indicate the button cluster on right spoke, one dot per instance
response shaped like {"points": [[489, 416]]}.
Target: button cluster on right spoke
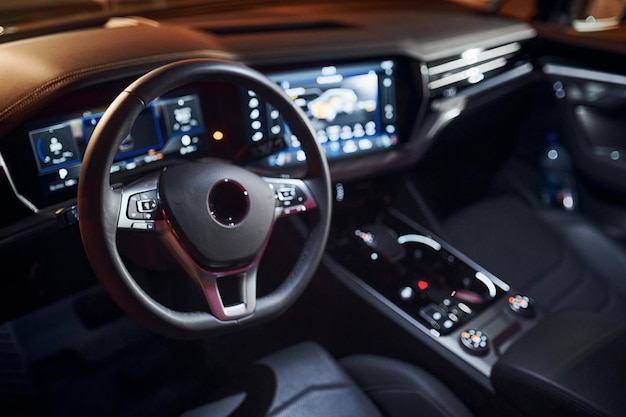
{"points": [[289, 195], [475, 341]]}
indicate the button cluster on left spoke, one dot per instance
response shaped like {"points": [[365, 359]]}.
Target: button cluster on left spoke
{"points": [[144, 208]]}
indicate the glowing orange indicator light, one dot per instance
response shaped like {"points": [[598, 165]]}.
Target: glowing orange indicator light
{"points": [[218, 135], [519, 301], [422, 285]]}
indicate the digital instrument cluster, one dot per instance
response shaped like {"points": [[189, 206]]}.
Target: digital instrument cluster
{"points": [[167, 126]]}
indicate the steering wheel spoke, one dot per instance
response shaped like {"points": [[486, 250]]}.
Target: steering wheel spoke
{"points": [[231, 295], [292, 196]]}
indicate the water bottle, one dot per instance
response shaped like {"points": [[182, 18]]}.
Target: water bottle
{"points": [[558, 184]]}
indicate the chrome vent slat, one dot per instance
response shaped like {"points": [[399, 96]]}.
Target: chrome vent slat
{"points": [[474, 56], [473, 74], [448, 77]]}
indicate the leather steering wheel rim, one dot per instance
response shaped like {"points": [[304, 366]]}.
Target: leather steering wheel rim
{"points": [[99, 204]]}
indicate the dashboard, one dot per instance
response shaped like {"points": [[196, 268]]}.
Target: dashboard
{"points": [[373, 106], [353, 108]]}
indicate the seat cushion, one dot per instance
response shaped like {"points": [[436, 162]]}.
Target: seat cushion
{"points": [[558, 258], [399, 389], [305, 381]]}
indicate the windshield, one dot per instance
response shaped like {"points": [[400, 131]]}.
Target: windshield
{"points": [[18, 16]]}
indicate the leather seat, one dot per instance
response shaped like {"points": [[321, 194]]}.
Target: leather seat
{"points": [[305, 381], [558, 258]]}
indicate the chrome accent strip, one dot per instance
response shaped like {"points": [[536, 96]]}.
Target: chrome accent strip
{"points": [[488, 283], [499, 79], [468, 73], [447, 110], [19, 196], [415, 238], [585, 74]]}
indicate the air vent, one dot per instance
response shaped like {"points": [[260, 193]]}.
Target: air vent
{"points": [[447, 77]]}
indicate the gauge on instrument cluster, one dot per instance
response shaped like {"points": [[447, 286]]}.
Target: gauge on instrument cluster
{"points": [[54, 147]]}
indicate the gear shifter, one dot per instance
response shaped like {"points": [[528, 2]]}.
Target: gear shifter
{"points": [[383, 240]]}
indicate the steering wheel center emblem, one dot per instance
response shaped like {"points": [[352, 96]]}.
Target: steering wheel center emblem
{"points": [[229, 202]]}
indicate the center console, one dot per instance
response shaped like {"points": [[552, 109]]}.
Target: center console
{"points": [[565, 363], [432, 290]]}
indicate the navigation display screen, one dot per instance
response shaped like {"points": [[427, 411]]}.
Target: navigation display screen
{"points": [[352, 109], [167, 126]]}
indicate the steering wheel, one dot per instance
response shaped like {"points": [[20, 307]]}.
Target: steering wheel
{"points": [[213, 217]]}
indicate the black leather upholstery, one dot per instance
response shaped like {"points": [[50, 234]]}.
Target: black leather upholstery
{"points": [[560, 259], [305, 381], [572, 363], [399, 389]]}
